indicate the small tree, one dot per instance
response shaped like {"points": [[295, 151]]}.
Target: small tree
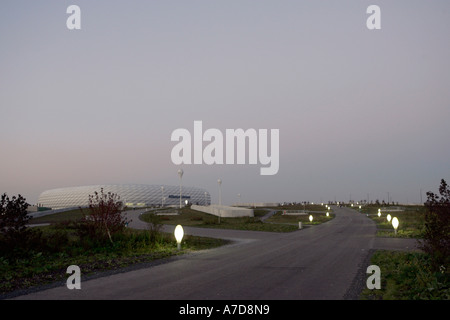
{"points": [[14, 234], [154, 226], [105, 217], [13, 217], [436, 238]]}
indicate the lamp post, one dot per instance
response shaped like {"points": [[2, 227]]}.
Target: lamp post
{"points": [[179, 233], [395, 224], [310, 218], [389, 217], [162, 196], [219, 182], [180, 173], [205, 198], [379, 213]]}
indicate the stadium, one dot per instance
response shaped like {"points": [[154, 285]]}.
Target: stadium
{"points": [[132, 195]]}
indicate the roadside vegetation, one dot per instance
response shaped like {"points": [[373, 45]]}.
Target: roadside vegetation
{"points": [[189, 217], [318, 213], [411, 220], [421, 275], [96, 239], [408, 276], [277, 223]]}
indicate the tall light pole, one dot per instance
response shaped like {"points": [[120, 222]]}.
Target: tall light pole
{"points": [[180, 173], [220, 192], [205, 198], [162, 196]]}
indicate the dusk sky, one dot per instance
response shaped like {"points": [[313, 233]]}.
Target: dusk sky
{"points": [[360, 112]]}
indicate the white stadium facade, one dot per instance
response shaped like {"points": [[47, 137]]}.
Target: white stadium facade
{"points": [[132, 195]]}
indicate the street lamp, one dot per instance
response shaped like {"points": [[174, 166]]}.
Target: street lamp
{"points": [[179, 233], [220, 191], [328, 214], [180, 173], [379, 213], [310, 218], [395, 224], [389, 217]]}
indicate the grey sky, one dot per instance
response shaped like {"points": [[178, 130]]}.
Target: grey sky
{"points": [[360, 112]]}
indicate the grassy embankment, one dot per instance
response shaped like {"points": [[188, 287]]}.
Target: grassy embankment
{"points": [[59, 245], [276, 223], [405, 275]]}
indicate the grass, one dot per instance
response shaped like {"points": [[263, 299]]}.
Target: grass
{"points": [[59, 246], [317, 211], [189, 217], [71, 215], [411, 221], [308, 207], [318, 218], [408, 276]]}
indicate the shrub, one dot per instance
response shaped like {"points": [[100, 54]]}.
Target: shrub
{"points": [[436, 238], [105, 217], [14, 234], [154, 226]]}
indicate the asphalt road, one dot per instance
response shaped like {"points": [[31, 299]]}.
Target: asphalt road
{"points": [[317, 262]]}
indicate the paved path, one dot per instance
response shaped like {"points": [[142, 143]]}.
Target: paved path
{"points": [[318, 262]]}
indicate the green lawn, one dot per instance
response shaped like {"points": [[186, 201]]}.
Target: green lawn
{"points": [[411, 221], [318, 218], [408, 276], [405, 275], [189, 217], [71, 215], [58, 245]]}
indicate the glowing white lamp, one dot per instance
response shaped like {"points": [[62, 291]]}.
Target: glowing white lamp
{"points": [[328, 214], [310, 218], [179, 233], [379, 213], [395, 224], [389, 217]]}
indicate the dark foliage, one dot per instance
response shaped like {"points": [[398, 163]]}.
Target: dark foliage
{"points": [[105, 217], [14, 234], [436, 239]]}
